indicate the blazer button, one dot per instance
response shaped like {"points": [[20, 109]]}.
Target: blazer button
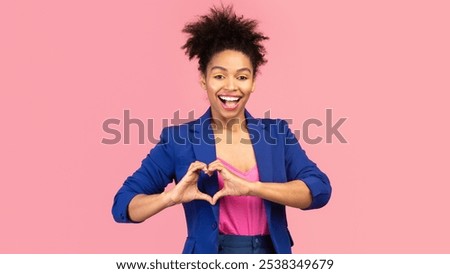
{"points": [[214, 225]]}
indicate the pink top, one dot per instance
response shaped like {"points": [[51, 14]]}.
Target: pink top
{"points": [[242, 215]]}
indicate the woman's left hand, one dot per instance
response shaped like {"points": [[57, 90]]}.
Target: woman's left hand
{"points": [[233, 185]]}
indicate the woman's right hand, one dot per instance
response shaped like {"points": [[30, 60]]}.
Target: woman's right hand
{"points": [[186, 190]]}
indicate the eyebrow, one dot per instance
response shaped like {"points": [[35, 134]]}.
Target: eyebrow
{"points": [[239, 70]]}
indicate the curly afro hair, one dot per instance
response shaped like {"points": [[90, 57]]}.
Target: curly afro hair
{"points": [[220, 30]]}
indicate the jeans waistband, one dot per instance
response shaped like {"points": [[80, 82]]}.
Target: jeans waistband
{"points": [[245, 242]]}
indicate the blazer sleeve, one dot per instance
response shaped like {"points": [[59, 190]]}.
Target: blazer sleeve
{"points": [[300, 167], [154, 174]]}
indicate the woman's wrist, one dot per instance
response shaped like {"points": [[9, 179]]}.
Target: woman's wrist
{"points": [[167, 200], [254, 188]]}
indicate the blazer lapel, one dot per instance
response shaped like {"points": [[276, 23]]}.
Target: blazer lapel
{"points": [[262, 146], [202, 140]]}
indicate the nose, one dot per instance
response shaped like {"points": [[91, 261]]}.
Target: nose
{"points": [[231, 85]]}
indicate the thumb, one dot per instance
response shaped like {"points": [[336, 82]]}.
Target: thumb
{"points": [[219, 194], [203, 196]]}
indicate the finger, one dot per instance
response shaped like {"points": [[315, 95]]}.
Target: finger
{"points": [[215, 161], [208, 168], [200, 164], [209, 172], [215, 166], [205, 169], [196, 163], [196, 166]]}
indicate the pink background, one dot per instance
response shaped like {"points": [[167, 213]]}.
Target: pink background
{"points": [[66, 66]]}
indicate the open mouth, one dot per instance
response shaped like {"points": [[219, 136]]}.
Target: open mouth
{"points": [[229, 102]]}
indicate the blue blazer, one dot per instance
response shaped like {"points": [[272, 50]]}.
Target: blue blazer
{"points": [[279, 159]]}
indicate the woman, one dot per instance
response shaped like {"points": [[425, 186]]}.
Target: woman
{"points": [[234, 173]]}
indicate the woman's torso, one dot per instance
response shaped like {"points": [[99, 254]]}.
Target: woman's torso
{"points": [[236, 149]]}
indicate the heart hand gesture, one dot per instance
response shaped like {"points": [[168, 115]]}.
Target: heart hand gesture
{"points": [[233, 184], [186, 190]]}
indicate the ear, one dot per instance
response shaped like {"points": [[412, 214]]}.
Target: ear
{"points": [[253, 86], [203, 81]]}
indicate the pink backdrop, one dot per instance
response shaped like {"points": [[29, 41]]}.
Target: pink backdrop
{"points": [[66, 66]]}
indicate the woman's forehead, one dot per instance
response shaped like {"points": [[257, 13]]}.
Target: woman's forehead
{"points": [[230, 60]]}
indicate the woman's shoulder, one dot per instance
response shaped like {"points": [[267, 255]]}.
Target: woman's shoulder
{"points": [[179, 132], [270, 122]]}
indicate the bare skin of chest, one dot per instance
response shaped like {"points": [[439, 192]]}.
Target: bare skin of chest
{"points": [[236, 149]]}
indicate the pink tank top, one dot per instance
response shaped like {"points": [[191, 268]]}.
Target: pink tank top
{"points": [[242, 215]]}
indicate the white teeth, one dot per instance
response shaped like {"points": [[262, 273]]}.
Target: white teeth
{"points": [[230, 99]]}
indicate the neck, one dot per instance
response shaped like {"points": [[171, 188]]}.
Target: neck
{"points": [[234, 124]]}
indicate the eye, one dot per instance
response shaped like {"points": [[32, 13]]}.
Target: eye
{"points": [[242, 77], [219, 77]]}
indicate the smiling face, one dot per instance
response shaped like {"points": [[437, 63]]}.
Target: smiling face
{"points": [[229, 81]]}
